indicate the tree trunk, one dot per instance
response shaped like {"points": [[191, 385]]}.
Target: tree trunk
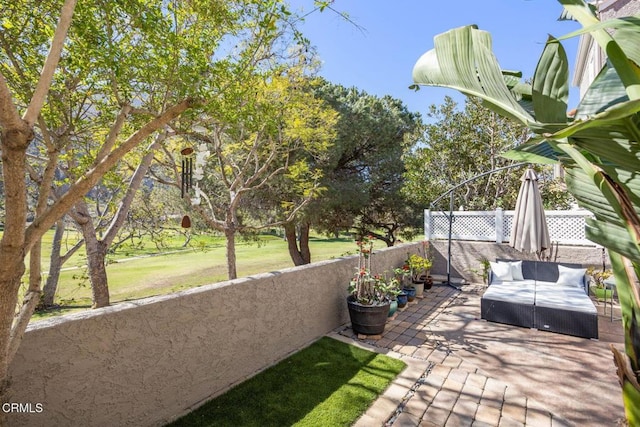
{"points": [[55, 265], [50, 287], [305, 227], [96, 254], [14, 144], [97, 249], [292, 244], [230, 234], [12, 248]]}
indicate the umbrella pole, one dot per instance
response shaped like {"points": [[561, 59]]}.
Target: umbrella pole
{"points": [[450, 217], [448, 282]]}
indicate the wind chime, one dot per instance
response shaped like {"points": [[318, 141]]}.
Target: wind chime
{"points": [[186, 177]]}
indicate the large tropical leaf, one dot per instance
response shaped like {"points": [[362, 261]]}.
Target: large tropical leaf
{"points": [[614, 118], [626, 34], [627, 70], [612, 236], [462, 59], [551, 84], [590, 196], [606, 91], [536, 150], [610, 146]]}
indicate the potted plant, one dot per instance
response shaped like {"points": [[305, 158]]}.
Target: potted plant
{"points": [[393, 289], [420, 267], [597, 285], [403, 276], [369, 295]]}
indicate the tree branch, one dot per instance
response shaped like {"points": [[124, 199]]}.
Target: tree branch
{"points": [[88, 180], [9, 117], [51, 63]]}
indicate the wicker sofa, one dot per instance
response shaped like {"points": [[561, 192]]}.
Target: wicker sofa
{"points": [[547, 296]]}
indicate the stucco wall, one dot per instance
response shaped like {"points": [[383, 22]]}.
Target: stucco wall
{"points": [[147, 362], [144, 363]]}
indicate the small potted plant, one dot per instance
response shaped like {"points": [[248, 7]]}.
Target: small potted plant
{"points": [[393, 287], [597, 285], [420, 267], [370, 295], [403, 275]]}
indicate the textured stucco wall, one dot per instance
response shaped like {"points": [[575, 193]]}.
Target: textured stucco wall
{"points": [[612, 8], [465, 257], [146, 362]]}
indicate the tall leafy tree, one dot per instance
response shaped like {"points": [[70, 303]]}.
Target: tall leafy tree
{"points": [[265, 129], [364, 172], [142, 63], [598, 150], [460, 144]]}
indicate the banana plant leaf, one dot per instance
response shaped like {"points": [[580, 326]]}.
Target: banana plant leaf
{"points": [[462, 59]]}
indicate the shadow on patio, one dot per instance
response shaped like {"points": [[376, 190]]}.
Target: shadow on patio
{"points": [[468, 370]]}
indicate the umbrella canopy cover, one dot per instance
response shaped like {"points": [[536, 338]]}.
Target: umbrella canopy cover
{"points": [[529, 232]]}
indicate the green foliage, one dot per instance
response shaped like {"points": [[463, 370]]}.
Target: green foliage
{"points": [[419, 265], [363, 174], [266, 141], [599, 276], [458, 145], [329, 383], [597, 148], [555, 195]]}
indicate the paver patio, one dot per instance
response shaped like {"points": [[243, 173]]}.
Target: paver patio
{"points": [[464, 371]]}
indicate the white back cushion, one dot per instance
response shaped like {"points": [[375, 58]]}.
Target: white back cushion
{"points": [[570, 276]]}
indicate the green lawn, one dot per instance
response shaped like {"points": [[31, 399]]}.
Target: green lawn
{"points": [[329, 383], [138, 273]]}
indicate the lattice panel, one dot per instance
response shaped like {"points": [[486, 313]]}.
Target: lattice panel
{"points": [[465, 226], [439, 225], [565, 227], [508, 223]]}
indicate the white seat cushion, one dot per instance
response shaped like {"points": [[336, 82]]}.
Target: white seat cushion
{"points": [[564, 297], [517, 292]]}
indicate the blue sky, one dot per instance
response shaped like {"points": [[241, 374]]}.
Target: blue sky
{"points": [[379, 57]]}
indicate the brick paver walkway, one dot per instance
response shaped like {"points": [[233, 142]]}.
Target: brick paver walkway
{"points": [[444, 343]]}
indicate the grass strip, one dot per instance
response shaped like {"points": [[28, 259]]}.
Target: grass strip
{"points": [[329, 383]]}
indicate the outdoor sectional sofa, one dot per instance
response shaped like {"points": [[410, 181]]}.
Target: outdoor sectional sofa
{"points": [[547, 296]]}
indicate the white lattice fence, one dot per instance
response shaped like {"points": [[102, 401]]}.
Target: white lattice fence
{"points": [[565, 227]]}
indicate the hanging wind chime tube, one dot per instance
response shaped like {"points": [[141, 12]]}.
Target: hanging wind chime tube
{"points": [[187, 171], [186, 178]]}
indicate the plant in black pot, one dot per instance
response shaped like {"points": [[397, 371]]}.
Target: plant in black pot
{"points": [[369, 295]]}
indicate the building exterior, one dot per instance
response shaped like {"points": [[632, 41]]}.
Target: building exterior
{"points": [[590, 58]]}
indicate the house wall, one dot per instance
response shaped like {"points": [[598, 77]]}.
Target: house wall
{"points": [[146, 362], [590, 57]]}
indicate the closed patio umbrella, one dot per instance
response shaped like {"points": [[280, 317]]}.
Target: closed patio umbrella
{"points": [[529, 232]]}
